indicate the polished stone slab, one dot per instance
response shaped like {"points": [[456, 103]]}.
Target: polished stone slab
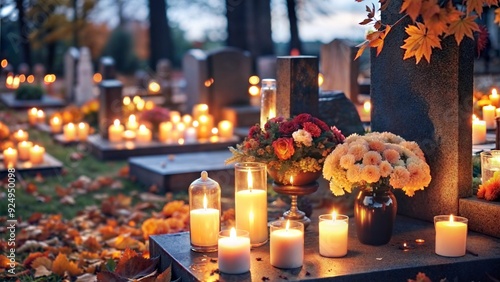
{"points": [[46, 101], [177, 172], [105, 150], [390, 262], [49, 166]]}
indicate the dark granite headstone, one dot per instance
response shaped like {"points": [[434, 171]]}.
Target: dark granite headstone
{"points": [[335, 109], [297, 85], [39, 73], [266, 67], [432, 105], [107, 68], [195, 68], [70, 62], [110, 104], [339, 69]]}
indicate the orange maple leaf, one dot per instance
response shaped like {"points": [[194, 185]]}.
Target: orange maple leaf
{"points": [[377, 38], [412, 8], [361, 48], [429, 9], [420, 42], [463, 27], [497, 16], [61, 264], [474, 5]]}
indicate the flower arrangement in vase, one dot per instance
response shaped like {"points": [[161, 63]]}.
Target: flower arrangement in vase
{"points": [[289, 146]]}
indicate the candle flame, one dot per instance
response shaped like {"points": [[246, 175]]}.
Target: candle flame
{"points": [[205, 201], [30, 78], [232, 233], [452, 218], [250, 181], [132, 118], [287, 226], [10, 150], [181, 141], [494, 92], [126, 100], [253, 79], [34, 111], [116, 122], [404, 245], [142, 127], [55, 119], [291, 180], [20, 132], [321, 79], [367, 106], [40, 113], [215, 131], [334, 215], [81, 125], [253, 90]]}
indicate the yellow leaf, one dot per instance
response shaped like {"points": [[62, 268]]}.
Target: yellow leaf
{"points": [[61, 264], [463, 27], [420, 42], [412, 8]]}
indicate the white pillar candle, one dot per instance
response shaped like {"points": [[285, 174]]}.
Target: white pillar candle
{"points": [[23, 149], [115, 131], [333, 235], [36, 154], [234, 251], [187, 120], [40, 116], [204, 225], [494, 98], [132, 123], [286, 244], [32, 118], [251, 211], [55, 124], [165, 131], [83, 131], [143, 134], [190, 135], [451, 235], [225, 128], [21, 135], [489, 116], [9, 157], [199, 110], [478, 131], [69, 132]]}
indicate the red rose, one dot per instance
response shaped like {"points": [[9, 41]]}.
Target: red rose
{"points": [[254, 131], [288, 127], [321, 124], [301, 118], [273, 120], [312, 128], [283, 148]]}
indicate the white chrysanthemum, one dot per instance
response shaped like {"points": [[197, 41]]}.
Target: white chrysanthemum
{"points": [[302, 136], [346, 161]]}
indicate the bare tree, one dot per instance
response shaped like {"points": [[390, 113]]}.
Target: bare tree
{"points": [[161, 43]]}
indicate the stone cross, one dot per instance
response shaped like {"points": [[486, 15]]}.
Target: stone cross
{"points": [[110, 104], [432, 105], [297, 85], [84, 73], [70, 62]]}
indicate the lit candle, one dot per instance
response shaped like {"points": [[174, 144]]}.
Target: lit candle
{"points": [[69, 132], [165, 131], [9, 157], [40, 116], [234, 251], [187, 120], [115, 131], [451, 235], [204, 225], [251, 210], [32, 118], [132, 123], [287, 244], [21, 135], [333, 235], [23, 149], [225, 128], [36, 154], [55, 124], [494, 98], [190, 135], [143, 134], [205, 125], [199, 110], [129, 135], [497, 111], [83, 131], [489, 116], [175, 117], [478, 131]]}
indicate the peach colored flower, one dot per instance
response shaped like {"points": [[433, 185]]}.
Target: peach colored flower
{"points": [[376, 145], [357, 151], [391, 155], [370, 173], [346, 161], [283, 148], [353, 174], [385, 168], [399, 177], [372, 158]]}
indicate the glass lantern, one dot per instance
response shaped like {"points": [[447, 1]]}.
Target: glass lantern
{"points": [[267, 100], [251, 200], [204, 213]]}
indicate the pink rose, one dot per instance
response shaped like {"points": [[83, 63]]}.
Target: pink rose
{"points": [[283, 148]]}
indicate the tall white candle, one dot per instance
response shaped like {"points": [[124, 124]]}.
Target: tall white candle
{"points": [[234, 252], [204, 225], [478, 131], [251, 211], [333, 235], [286, 245], [451, 235], [489, 116], [225, 129]]}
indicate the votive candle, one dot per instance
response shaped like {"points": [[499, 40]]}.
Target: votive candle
{"points": [[21, 135], [32, 118], [478, 131], [286, 244], [69, 132], [55, 124], [451, 235], [36, 154], [23, 149], [83, 131], [234, 251], [9, 157], [40, 116], [115, 131], [333, 235], [225, 129], [204, 225], [143, 134]]}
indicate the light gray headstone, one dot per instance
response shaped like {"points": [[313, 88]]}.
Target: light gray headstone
{"points": [[194, 65], [84, 82], [70, 62]]}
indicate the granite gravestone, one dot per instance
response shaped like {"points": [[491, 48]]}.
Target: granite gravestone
{"points": [[194, 65], [110, 104], [163, 77], [107, 68], [336, 109], [297, 85], [432, 105], [39, 73], [70, 63], [84, 81], [266, 67], [339, 69]]}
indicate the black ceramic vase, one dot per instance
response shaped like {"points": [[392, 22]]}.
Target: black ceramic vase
{"points": [[375, 213]]}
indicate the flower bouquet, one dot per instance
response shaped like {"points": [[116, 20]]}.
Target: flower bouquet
{"points": [[377, 160], [288, 146]]}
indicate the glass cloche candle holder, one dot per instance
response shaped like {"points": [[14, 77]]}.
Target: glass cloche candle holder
{"points": [[204, 213]]}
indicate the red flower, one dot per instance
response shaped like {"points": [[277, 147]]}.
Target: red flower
{"points": [[273, 120], [301, 118], [283, 148], [288, 127], [339, 137], [312, 128], [321, 124], [254, 131]]}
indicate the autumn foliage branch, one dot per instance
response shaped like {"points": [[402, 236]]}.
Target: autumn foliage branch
{"points": [[431, 22]]}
